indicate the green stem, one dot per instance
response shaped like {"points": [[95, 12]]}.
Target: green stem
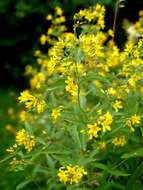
{"points": [[115, 16]]}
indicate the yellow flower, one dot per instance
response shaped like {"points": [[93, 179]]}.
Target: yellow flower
{"points": [[28, 70], [112, 91], [43, 39], [71, 174], [93, 130], [12, 148], [50, 31], [22, 138], [24, 96], [72, 88], [23, 116], [37, 53], [117, 105], [40, 106], [38, 80], [32, 101], [58, 11], [132, 81], [49, 17], [119, 141], [102, 145], [106, 121], [63, 175], [111, 33], [135, 119], [15, 163], [56, 113]]}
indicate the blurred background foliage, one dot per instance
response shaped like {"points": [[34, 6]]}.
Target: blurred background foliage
{"points": [[21, 24]]}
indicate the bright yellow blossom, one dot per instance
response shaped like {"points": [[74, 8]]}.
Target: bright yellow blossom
{"points": [[117, 105], [22, 138], [72, 88], [71, 174], [56, 113], [119, 141], [58, 11], [93, 130], [135, 119], [32, 101], [106, 121], [43, 39], [49, 17]]}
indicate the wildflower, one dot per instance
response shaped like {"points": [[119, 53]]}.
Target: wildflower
{"points": [[17, 164], [95, 13], [102, 145], [117, 105], [111, 91], [37, 80], [37, 53], [50, 31], [106, 122], [12, 148], [28, 70], [93, 130], [49, 17], [58, 11], [71, 174], [23, 116], [119, 141], [56, 113], [132, 81], [43, 39], [129, 47], [40, 106], [22, 138], [111, 33], [27, 98], [32, 101], [72, 88], [135, 119]]}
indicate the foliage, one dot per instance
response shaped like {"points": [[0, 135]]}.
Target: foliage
{"points": [[82, 122]]}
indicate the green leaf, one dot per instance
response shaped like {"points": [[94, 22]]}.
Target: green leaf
{"points": [[92, 76], [79, 55], [118, 173], [110, 171], [5, 159], [22, 184], [133, 180], [135, 153], [75, 135], [83, 102], [50, 161]]}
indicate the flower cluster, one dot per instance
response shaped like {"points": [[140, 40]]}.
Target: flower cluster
{"points": [[32, 102], [71, 174], [23, 139]]}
